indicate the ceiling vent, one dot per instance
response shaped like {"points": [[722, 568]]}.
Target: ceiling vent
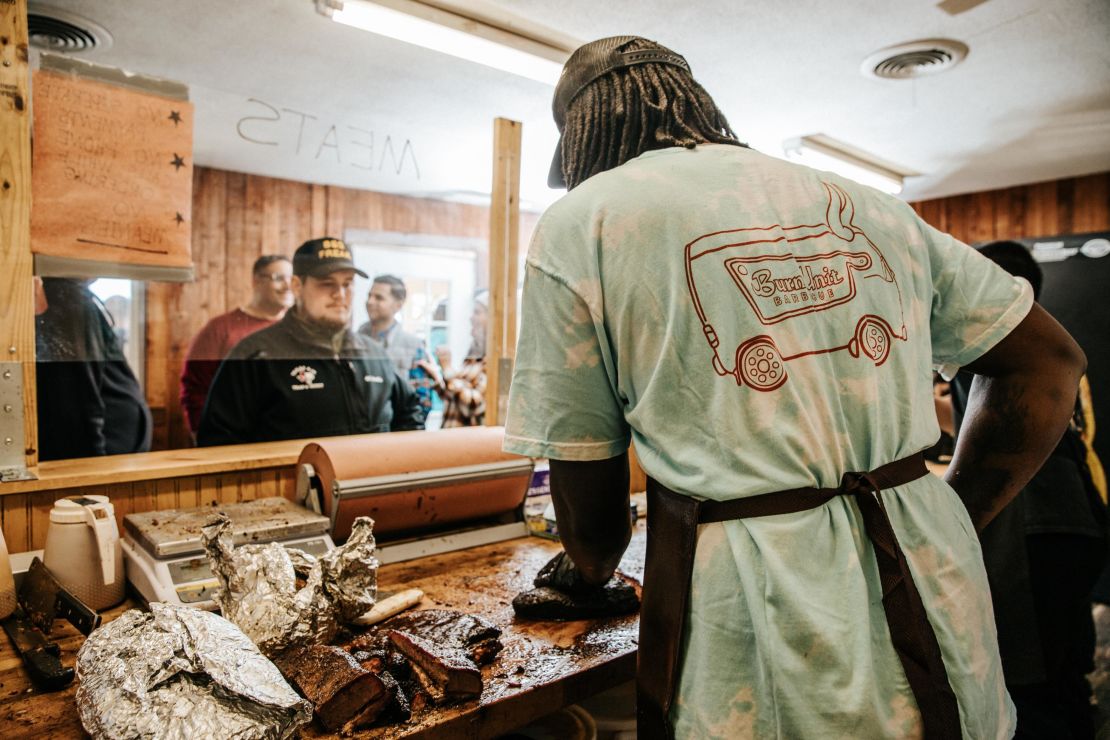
{"points": [[54, 29], [914, 59]]}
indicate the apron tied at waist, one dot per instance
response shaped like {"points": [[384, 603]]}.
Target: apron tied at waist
{"points": [[672, 522]]}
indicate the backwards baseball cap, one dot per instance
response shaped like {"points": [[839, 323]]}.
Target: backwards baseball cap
{"points": [[585, 65], [321, 257]]}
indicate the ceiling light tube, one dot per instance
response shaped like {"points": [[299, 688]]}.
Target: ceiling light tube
{"points": [[455, 35], [817, 152]]}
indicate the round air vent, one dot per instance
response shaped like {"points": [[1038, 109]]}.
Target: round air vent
{"points": [[914, 59], [55, 29]]}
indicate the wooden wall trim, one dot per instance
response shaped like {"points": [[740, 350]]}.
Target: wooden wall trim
{"points": [[17, 318], [59, 475], [26, 516], [504, 256]]}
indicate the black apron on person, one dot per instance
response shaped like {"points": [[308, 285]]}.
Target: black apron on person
{"points": [[673, 521]]}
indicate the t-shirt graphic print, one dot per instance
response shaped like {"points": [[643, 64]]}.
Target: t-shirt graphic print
{"points": [[829, 265]]}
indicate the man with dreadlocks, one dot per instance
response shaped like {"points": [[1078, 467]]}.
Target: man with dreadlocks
{"points": [[766, 334]]}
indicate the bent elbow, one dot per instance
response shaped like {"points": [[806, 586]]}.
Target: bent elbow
{"points": [[1079, 359], [1068, 355]]}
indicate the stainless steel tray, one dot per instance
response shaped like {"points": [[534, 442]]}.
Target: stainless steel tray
{"points": [[176, 532]]}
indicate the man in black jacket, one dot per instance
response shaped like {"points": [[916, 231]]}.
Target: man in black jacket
{"points": [[309, 375], [1043, 554], [89, 401]]}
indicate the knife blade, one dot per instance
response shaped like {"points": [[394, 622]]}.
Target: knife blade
{"points": [[38, 595], [44, 599]]}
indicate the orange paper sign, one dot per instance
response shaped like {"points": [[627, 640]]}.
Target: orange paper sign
{"points": [[112, 173]]}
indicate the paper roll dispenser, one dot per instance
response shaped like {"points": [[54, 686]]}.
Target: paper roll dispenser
{"points": [[412, 483]]}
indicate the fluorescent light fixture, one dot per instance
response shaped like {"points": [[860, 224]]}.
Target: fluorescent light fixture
{"points": [[823, 153], [453, 34]]}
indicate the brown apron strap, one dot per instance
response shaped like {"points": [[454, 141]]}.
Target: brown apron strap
{"points": [[672, 526], [672, 539], [913, 636]]}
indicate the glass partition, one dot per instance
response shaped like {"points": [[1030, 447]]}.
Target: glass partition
{"points": [[376, 144]]}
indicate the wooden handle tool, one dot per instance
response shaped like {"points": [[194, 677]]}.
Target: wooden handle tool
{"points": [[393, 603]]}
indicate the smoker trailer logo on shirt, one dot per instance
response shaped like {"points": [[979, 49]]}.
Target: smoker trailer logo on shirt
{"points": [[306, 377], [781, 286]]}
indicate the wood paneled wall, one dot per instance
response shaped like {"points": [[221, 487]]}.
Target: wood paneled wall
{"points": [[26, 516], [1073, 206], [238, 217]]}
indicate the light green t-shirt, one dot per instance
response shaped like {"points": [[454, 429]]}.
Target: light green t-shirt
{"points": [[754, 326]]}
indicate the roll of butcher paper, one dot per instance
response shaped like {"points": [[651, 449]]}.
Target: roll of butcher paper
{"points": [[414, 482]]}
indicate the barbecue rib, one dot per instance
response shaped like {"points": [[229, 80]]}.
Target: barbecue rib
{"points": [[391, 706], [379, 661], [445, 673], [451, 629], [334, 682]]}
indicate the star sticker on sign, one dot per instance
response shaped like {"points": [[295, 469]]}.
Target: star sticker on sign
{"points": [[177, 162], [175, 116]]}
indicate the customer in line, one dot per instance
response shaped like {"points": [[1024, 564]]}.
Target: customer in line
{"points": [[383, 305], [463, 388], [90, 402], [271, 297], [309, 375]]}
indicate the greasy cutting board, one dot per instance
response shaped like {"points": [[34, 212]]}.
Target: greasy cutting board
{"points": [[544, 665]]}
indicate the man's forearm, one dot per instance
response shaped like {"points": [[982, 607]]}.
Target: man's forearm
{"points": [[591, 505]]}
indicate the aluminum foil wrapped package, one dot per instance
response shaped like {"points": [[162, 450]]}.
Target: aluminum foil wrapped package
{"points": [[179, 672], [350, 572], [259, 590]]}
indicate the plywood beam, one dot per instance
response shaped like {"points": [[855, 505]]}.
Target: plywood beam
{"points": [[504, 256], [17, 317]]}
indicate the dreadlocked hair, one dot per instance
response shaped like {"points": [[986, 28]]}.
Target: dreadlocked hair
{"points": [[629, 111]]}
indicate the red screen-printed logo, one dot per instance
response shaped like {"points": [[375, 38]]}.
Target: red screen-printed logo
{"points": [[305, 375], [816, 267]]}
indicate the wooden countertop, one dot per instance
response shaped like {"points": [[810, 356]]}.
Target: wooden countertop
{"points": [[101, 471], [543, 666]]}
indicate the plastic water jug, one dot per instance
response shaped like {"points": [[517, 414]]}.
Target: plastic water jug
{"points": [[83, 550]]}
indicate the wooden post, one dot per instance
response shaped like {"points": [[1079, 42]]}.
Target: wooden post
{"points": [[504, 253], [17, 316]]}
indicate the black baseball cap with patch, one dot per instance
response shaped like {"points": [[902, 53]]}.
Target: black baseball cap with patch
{"points": [[585, 65], [321, 257]]}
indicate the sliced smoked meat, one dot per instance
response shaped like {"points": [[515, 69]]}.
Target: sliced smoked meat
{"points": [[392, 706], [444, 672], [333, 681], [448, 628]]}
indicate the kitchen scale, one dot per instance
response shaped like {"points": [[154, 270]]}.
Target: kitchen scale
{"points": [[164, 555]]}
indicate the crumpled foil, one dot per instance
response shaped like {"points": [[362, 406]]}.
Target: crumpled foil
{"points": [[258, 586], [179, 672]]}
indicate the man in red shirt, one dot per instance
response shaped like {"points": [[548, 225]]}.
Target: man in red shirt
{"points": [[271, 276]]}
